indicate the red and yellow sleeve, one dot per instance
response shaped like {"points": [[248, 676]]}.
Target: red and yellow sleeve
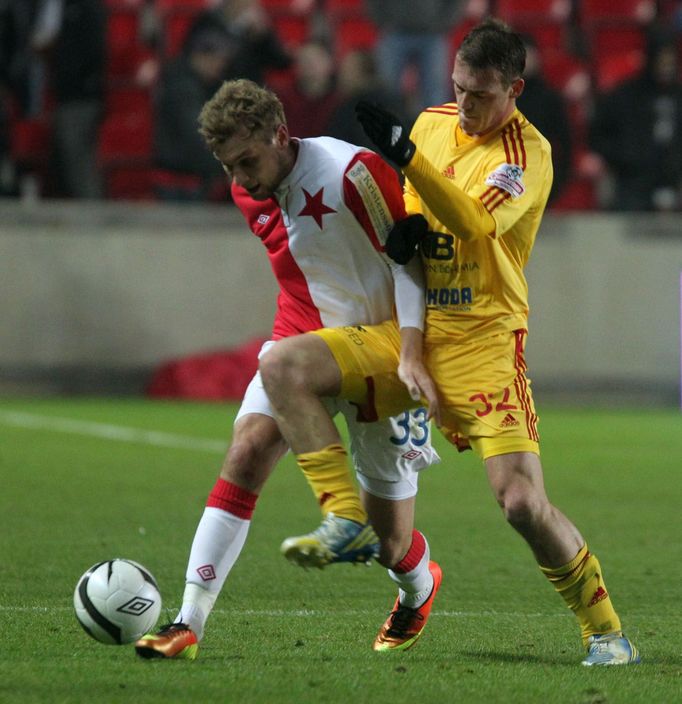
{"points": [[372, 191]]}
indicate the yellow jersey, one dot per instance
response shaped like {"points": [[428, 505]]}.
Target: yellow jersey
{"points": [[475, 285]]}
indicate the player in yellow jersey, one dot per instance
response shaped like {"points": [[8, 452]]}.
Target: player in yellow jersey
{"points": [[478, 175]]}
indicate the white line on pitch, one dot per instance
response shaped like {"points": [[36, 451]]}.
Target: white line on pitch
{"points": [[117, 433], [306, 613]]}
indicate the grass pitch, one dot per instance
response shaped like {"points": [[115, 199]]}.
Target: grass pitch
{"points": [[87, 480]]}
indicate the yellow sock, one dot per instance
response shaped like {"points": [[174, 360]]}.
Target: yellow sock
{"points": [[581, 585], [327, 473]]}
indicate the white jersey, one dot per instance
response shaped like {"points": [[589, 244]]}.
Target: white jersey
{"points": [[324, 231]]}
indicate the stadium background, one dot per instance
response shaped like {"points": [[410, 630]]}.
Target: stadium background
{"points": [[96, 296]]}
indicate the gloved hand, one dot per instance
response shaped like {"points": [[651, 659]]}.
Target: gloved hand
{"points": [[386, 131], [405, 236]]}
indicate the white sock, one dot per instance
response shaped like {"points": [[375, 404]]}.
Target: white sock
{"points": [[218, 541], [414, 587]]}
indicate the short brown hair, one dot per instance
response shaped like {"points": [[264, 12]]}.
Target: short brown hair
{"points": [[240, 105], [493, 44]]}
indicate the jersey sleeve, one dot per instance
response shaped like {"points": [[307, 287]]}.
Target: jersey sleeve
{"points": [[463, 215], [372, 192], [517, 179], [410, 301]]}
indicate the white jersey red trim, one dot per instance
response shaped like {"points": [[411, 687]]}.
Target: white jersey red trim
{"points": [[324, 231]]}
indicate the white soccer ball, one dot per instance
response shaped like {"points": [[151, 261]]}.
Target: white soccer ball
{"points": [[117, 601]]}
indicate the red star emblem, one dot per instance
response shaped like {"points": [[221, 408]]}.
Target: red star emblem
{"points": [[315, 207]]}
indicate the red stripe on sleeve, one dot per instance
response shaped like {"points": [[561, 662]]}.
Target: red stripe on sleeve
{"points": [[502, 196], [391, 190], [486, 194]]}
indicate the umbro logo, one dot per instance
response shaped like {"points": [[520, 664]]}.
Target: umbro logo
{"points": [[263, 219], [509, 421], [411, 454], [449, 172], [206, 572], [135, 606]]}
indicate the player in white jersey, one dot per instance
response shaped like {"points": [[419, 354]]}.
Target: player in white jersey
{"points": [[323, 209]]}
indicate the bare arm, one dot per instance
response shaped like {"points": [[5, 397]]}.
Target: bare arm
{"points": [[413, 372]]}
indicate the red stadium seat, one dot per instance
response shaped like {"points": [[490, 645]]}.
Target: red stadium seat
{"points": [[566, 73], [345, 7], [459, 31], [124, 137], [176, 24], [292, 30], [595, 11], [276, 7], [578, 194], [616, 68], [515, 11], [163, 6], [123, 4], [30, 140], [545, 20], [617, 51], [547, 34], [126, 132], [125, 51], [353, 32], [131, 181]]}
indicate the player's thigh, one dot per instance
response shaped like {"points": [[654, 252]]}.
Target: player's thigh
{"points": [[486, 394], [368, 357], [255, 400], [302, 362]]}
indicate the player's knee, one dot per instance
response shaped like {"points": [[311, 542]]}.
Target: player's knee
{"points": [[522, 509], [303, 364], [281, 369]]}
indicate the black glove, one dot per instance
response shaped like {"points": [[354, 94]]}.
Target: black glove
{"points": [[404, 238], [386, 131]]}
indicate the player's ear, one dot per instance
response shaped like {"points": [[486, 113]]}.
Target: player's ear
{"points": [[516, 88], [281, 138]]}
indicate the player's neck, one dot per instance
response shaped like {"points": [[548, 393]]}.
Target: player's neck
{"points": [[291, 155]]}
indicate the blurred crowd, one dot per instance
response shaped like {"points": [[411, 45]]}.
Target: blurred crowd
{"points": [[99, 98]]}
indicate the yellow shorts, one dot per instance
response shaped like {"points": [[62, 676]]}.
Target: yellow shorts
{"points": [[486, 401]]}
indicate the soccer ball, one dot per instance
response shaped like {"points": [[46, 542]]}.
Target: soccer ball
{"points": [[117, 601]]}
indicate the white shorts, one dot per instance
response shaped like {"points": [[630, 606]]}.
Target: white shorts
{"points": [[387, 454]]}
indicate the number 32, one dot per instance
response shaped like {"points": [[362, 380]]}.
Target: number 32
{"points": [[485, 399]]}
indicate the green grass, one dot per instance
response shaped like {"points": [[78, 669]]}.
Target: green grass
{"points": [[498, 632]]}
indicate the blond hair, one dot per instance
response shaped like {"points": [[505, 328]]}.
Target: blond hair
{"points": [[239, 106]]}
